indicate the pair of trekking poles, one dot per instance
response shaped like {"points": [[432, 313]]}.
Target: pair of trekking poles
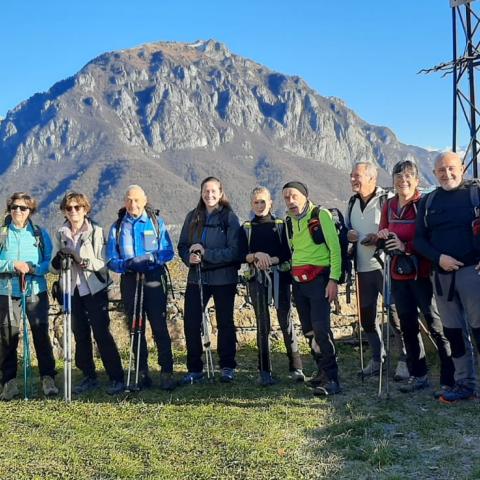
{"points": [[386, 312]]}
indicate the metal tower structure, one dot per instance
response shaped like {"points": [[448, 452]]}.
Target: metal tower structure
{"points": [[463, 67]]}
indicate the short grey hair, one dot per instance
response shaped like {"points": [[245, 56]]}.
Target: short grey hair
{"points": [[134, 187], [370, 167], [442, 155]]}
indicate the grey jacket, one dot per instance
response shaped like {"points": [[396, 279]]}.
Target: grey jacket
{"points": [[220, 238], [91, 246]]}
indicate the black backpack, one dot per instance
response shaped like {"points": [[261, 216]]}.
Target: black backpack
{"points": [[317, 235]]}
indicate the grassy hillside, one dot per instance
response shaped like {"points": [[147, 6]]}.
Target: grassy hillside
{"points": [[242, 431]]}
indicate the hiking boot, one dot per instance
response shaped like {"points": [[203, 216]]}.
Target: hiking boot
{"points": [[401, 372], [48, 386], [87, 384], [10, 390], [227, 375], [372, 368], [266, 379], [144, 381], [297, 375], [329, 387], [191, 377], [413, 384], [167, 382], [443, 389], [116, 387], [318, 379], [457, 393]]}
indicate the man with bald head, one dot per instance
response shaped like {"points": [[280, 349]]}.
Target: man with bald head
{"points": [[138, 248], [448, 234]]}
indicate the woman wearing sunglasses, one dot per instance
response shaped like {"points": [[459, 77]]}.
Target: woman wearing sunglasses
{"points": [[82, 240], [25, 252]]}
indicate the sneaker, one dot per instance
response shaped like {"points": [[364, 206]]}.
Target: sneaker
{"points": [[266, 379], [372, 368], [457, 393], [401, 372], [116, 387], [48, 386], [413, 384], [227, 375], [318, 379], [10, 390], [192, 377], [297, 375], [329, 387], [167, 382], [87, 384], [443, 389]]}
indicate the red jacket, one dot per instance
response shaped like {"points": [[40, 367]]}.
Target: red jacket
{"points": [[402, 222]]}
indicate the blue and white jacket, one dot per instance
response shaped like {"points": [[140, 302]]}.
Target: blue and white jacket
{"points": [[21, 245], [138, 236]]}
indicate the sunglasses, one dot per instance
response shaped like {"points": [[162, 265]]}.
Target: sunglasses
{"points": [[71, 208], [22, 208]]}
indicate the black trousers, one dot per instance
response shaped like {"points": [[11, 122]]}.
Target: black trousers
{"points": [[37, 314], [90, 314], [314, 312], [259, 298], [411, 296], [223, 297], [155, 309]]}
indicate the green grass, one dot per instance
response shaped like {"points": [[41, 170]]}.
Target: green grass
{"points": [[242, 431]]}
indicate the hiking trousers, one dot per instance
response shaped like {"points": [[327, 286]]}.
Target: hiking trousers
{"points": [[155, 310], [370, 286], [411, 296], [284, 318], [90, 314], [37, 314], [460, 317], [314, 312], [223, 297]]}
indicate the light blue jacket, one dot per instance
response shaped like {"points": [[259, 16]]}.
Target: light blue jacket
{"points": [[21, 244], [137, 237]]}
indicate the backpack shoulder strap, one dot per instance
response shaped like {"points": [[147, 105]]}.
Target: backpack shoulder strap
{"points": [[153, 216], [247, 228], [39, 240], [475, 196], [280, 225], [428, 203], [351, 203]]}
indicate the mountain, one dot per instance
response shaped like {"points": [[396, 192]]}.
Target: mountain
{"points": [[166, 115]]}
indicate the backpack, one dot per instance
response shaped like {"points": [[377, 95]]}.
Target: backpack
{"points": [[37, 232], [341, 228], [279, 224], [153, 216], [351, 202], [473, 187]]}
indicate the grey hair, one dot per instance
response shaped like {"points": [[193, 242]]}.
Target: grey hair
{"points": [[370, 167], [134, 187], [442, 155]]}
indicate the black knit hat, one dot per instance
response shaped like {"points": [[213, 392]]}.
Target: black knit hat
{"points": [[301, 187]]}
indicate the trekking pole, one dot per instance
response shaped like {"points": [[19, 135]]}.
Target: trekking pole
{"points": [[140, 324], [260, 293], [386, 304], [134, 331], [427, 333], [67, 327], [360, 336], [205, 327], [27, 363]]}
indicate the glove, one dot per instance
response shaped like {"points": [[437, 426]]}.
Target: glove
{"points": [[57, 261], [141, 263], [65, 252]]}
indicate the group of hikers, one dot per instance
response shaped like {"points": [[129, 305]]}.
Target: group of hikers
{"points": [[424, 249]]}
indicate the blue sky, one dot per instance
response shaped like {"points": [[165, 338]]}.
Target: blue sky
{"points": [[366, 52]]}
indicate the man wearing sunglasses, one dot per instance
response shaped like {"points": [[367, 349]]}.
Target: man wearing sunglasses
{"points": [[25, 252]]}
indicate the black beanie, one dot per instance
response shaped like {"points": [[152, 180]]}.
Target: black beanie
{"points": [[301, 187]]}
